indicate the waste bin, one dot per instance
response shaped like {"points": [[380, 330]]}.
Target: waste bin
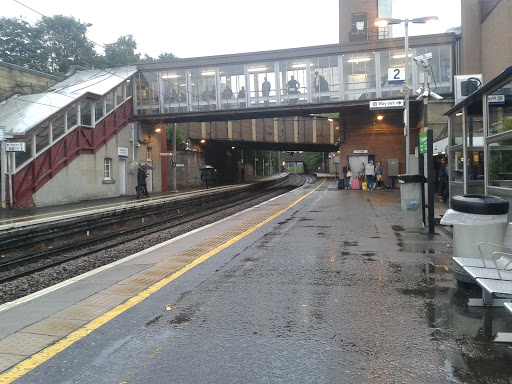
{"points": [[410, 195], [475, 219]]}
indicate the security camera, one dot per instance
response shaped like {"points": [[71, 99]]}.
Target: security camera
{"points": [[138, 144], [423, 59]]}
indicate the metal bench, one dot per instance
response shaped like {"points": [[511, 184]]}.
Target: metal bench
{"points": [[505, 337], [495, 280]]}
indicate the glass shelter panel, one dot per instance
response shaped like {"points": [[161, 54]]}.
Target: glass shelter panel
{"points": [[440, 75], [58, 127], [262, 90], [174, 84], [72, 114], [500, 110], [325, 80], [203, 89], [500, 163], [42, 138], [392, 64], [293, 81], [456, 129], [359, 76], [232, 86]]}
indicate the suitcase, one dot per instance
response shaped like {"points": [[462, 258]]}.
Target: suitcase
{"points": [[341, 184], [356, 184], [364, 186]]}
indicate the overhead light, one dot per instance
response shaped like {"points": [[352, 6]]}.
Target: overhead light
{"points": [[358, 59], [258, 69], [203, 141], [301, 65], [157, 130], [380, 117], [401, 55], [170, 76], [208, 73], [232, 147], [329, 119], [458, 114]]}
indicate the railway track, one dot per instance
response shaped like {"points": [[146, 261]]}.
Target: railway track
{"points": [[76, 247]]}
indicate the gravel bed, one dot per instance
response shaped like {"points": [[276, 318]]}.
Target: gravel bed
{"points": [[24, 286]]}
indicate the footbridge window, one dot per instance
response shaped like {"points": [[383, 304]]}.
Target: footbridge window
{"points": [[360, 78]]}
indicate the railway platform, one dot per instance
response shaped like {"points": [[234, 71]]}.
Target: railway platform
{"points": [[312, 286]]}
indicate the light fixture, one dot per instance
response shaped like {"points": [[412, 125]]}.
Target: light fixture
{"points": [[401, 55], [258, 69], [380, 117], [301, 65], [232, 147], [203, 141], [208, 73], [170, 76], [358, 60], [458, 114], [330, 119], [158, 130]]}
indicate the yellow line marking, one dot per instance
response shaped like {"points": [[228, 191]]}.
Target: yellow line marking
{"points": [[46, 354]]}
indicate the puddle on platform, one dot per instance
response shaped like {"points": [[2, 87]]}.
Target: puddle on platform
{"points": [[465, 334]]}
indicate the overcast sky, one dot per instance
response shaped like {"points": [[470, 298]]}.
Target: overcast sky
{"points": [[202, 28]]}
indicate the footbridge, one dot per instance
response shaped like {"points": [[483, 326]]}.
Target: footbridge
{"points": [[271, 97]]}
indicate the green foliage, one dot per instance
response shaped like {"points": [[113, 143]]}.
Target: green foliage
{"points": [[180, 139], [55, 43], [122, 52], [312, 160], [62, 42], [15, 44]]}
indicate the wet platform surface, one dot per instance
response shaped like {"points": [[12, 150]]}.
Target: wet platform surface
{"points": [[320, 285]]}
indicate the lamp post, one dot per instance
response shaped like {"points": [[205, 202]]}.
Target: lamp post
{"points": [[384, 22]]}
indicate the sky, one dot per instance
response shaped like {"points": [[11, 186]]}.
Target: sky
{"points": [[194, 28]]}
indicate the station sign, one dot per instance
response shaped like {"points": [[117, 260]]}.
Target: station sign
{"points": [[496, 99], [423, 143], [122, 152], [14, 147], [180, 165], [386, 104], [396, 75], [360, 151]]}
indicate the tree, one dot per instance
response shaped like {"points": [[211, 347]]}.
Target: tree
{"points": [[16, 44], [167, 56], [312, 160], [62, 42], [122, 52]]}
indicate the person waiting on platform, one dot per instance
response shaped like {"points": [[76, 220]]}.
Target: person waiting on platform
{"points": [[241, 95], [227, 94], [293, 89], [378, 175], [141, 183], [370, 175], [265, 90], [321, 85]]}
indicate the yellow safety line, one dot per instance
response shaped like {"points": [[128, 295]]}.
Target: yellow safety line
{"points": [[32, 362]]}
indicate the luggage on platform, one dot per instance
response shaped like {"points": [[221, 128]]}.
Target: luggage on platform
{"points": [[356, 184], [341, 184], [364, 185]]}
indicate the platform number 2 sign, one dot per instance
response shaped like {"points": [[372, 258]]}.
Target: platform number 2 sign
{"points": [[396, 75]]}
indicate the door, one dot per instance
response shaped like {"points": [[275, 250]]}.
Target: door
{"points": [[355, 162], [122, 177]]}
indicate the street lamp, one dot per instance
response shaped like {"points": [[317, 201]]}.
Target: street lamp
{"points": [[384, 22]]}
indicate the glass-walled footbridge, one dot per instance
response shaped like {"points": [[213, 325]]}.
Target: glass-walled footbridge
{"points": [[291, 79]]}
